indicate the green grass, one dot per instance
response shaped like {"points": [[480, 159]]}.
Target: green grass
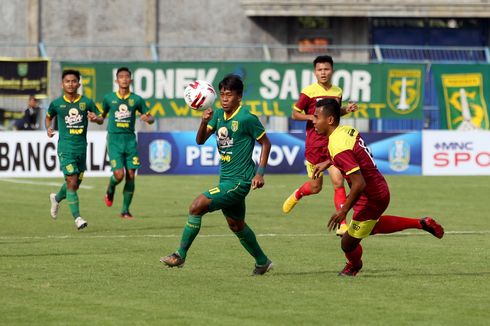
{"points": [[109, 273]]}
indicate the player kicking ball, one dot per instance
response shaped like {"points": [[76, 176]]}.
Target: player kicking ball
{"points": [[236, 131], [73, 112], [369, 195]]}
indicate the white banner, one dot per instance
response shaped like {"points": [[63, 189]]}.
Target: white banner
{"points": [[447, 152], [32, 154]]}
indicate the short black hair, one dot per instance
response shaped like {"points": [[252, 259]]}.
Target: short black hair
{"points": [[330, 107], [74, 72], [123, 69], [323, 59], [232, 83]]}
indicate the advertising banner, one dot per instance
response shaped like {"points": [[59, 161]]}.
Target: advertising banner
{"points": [[463, 92], [24, 77], [271, 89], [456, 153]]}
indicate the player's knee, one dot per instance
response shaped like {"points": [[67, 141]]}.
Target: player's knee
{"points": [[316, 188], [348, 243], [235, 226], [119, 175], [198, 207]]}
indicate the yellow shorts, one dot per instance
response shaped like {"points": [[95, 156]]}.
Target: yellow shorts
{"points": [[309, 169], [361, 229]]}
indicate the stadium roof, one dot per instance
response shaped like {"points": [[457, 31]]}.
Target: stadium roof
{"points": [[368, 8]]}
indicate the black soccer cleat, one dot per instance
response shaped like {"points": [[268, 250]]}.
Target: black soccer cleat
{"points": [[262, 269], [430, 225]]}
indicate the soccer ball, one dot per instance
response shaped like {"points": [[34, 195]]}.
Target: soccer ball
{"points": [[199, 95]]}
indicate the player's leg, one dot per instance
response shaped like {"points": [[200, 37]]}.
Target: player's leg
{"points": [[115, 179], [55, 199], [352, 249], [391, 224], [115, 149], [310, 187], [128, 193], [339, 195]]}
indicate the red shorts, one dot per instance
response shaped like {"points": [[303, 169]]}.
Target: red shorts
{"points": [[371, 209], [316, 155]]}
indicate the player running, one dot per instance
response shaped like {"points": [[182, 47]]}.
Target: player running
{"points": [[121, 107], [369, 195], [73, 112], [236, 131], [315, 151]]}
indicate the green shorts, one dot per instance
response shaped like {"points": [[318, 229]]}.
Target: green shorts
{"points": [[73, 163], [123, 151], [229, 196]]}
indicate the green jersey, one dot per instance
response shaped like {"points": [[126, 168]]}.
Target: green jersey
{"points": [[235, 137], [72, 122], [122, 111]]}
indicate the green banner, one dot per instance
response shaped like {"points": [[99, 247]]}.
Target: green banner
{"points": [[271, 89], [24, 77], [462, 91]]}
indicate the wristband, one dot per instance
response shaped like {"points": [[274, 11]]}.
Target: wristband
{"points": [[261, 170]]}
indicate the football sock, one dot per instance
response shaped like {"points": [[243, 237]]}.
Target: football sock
{"points": [[390, 224], [191, 229], [72, 198], [249, 242], [339, 197], [113, 182], [304, 190], [354, 256], [127, 195], [61, 193]]}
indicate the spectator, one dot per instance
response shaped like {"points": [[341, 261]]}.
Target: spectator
{"points": [[29, 120]]}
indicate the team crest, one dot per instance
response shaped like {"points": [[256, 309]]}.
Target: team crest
{"points": [[70, 168], [131, 102], [234, 126], [22, 69], [465, 104], [404, 90], [83, 106], [160, 152], [399, 156]]}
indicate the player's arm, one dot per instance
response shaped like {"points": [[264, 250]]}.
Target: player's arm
{"points": [[47, 123], [258, 180], [350, 107], [92, 115], [299, 109], [320, 167], [356, 188], [148, 118], [205, 130]]}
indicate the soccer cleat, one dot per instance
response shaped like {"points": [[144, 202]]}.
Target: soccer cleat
{"points": [[290, 203], [430, 225], [127, 215], [80, 223], [262, 269], [342, 229], [350, 270], [54, 205], [173, 260], [108, 199]]}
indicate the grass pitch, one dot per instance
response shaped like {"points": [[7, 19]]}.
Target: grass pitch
{"points": [[109, 273]]}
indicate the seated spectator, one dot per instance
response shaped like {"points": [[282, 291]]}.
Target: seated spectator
{"points": [[29, 120]]}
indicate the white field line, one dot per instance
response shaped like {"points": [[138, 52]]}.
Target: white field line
{"points": [[39, 183], [265, 235]]}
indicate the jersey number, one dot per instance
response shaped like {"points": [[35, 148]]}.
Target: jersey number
{"points": [[368, 151]]}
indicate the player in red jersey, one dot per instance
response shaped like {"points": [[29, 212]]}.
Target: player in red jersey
{"points": [[315, 151], [369, 195]]}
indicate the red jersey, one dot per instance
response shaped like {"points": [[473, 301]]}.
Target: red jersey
{"points": [[307, 104], [349, 154]]}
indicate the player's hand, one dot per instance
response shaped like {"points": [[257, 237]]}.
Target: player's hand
{"points": [[351, 106], [92, 116], [336, 219], [257, 182], [50, 132], [319, 168], [207, 115]]}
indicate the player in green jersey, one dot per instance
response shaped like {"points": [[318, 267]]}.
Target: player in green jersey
{"points": [[236, 131], [121, 107], [73, 111]]}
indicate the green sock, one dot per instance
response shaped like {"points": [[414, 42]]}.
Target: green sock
{"points": [[61, 193], [72, 198], [113, 182], [249, 241], [127, 195], [191, 229]]}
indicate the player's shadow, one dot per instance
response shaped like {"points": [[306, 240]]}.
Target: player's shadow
{"points": [[399, 273], [304, 273]]}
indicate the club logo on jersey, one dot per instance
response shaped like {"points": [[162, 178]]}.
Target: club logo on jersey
{"points": [[22, 69], [73, 117], [131, 102], [83, 106], [404, 90], [465, 104], [160, 152], [122, 112], [224, 141], [399, 156], [234, 126]]}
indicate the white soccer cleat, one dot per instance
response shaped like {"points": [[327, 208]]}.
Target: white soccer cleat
{"points": [[80, 223], [54, 205]]}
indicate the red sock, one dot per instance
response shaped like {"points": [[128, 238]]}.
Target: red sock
{"points": [[390, 224], [304, 190], [339, 197], [354, 256]]}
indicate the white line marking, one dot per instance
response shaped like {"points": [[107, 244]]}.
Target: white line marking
{"points": [[39, 183], [290, 235]]}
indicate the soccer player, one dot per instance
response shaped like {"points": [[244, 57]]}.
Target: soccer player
{"points": [[236, 131], [73, 111], [121, 107], [315, 151], [369, 195]]}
